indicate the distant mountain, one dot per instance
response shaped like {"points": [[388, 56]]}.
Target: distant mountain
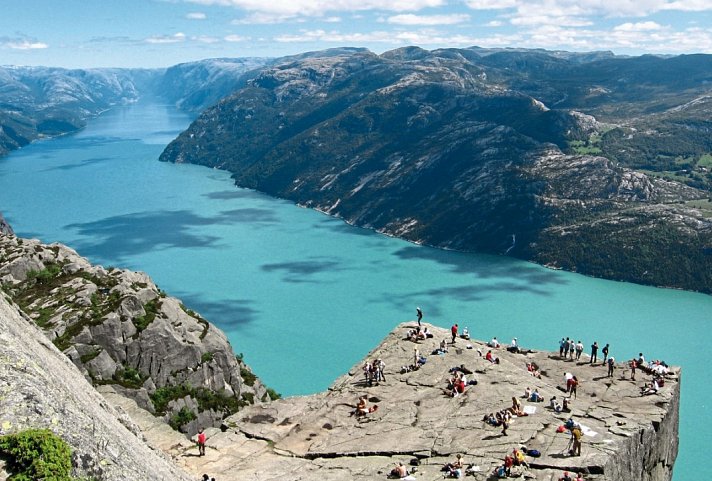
{"points": [[37, 102], [498, 151]]}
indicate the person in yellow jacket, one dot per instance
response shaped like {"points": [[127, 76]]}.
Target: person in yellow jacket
{"points": [[576, 435]]}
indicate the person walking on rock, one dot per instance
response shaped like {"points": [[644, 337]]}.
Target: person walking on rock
{"points": [[453, 331], [420, 314], [201, 443], [576, 435], [611, 365]]}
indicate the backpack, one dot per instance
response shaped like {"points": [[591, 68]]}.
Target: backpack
{"points": [[533, 453]]}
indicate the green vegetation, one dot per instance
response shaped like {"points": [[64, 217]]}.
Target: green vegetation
{"points": [[46, 275], [129, 377], [273, 395], [247, 376], [182, 417], [207, 400], [90, 355], [586, 147], [37, 454], [152, 309], [206, 357]]}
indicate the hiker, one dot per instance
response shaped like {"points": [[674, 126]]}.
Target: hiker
{"points": [[579, 349], [453, 331], [604, 351], [611, 365], [594, 352], [420, 315], [567, 346], [576, 435], [493, 343], [574, 386], [632, 369], [641, 360], [513, 346], [201, 442]]}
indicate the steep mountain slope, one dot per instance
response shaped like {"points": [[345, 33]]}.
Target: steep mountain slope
{"points": [[36, 102], [451, 149]]}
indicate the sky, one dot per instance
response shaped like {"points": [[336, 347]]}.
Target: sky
{"points": [[161, 33]]}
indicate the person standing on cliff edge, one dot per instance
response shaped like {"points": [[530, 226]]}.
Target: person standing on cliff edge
{"points": [[420, 315], [594, 352], [453, 331]]}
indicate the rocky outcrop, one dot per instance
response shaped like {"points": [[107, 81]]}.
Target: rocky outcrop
{"points": [[5, 227], [41, 388], [626, 435], [120, 329]]}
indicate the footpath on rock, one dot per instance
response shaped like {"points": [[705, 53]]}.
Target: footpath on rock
{"points": [[625, 435]]}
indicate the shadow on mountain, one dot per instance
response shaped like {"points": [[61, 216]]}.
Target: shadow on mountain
{"points": [[303, 271], [226, 314]]}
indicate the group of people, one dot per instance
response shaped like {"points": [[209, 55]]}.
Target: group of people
{"points": [[207, 478], [516, 458], [374, 371]]}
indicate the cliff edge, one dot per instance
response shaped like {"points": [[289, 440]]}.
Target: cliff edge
{"points": [[625, 435]]}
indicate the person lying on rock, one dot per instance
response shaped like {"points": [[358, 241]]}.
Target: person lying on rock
{"points": [[536, 397]]}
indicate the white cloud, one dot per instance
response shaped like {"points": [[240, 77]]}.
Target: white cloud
{"points": [[235, 38], [637, 27], [260, 18], [24, 45], [163, 39], [410, 19], [491, 4], [205, 39], [332, 19], [494, 23], [399, 38], [321, 7], [196, 16]]}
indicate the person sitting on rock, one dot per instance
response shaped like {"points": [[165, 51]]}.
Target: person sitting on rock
{"points": [[400, 471], [465, 333], [554, 404], [514, 346], [454, 469], [651, 388], [519, 458], [533, 370], [527, 393], [516, 408], [536, 397], [494, 343], [491, 358]]}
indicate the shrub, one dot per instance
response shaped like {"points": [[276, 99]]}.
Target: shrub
{"points": [[206, 357], [37, 454], [247, 376], [182, 417]]}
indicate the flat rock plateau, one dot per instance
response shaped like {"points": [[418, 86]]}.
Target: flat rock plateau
{"points": [[626, 436]]}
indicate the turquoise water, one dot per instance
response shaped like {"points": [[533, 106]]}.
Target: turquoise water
{"points": [[305, 296]]}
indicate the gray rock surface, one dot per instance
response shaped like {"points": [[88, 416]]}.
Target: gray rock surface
{"points": [[5, 227], [41, 388], [627, 436], [119, 328]]}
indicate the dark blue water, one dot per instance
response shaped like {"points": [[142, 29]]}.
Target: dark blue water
{"points": [[305, 296]]}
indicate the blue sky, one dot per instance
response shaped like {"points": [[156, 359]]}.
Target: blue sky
{"points": [[160, 33]]}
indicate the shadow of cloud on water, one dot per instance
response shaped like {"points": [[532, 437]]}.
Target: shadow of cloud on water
{"points": [[486, 266], [79, 165], [301, 271], [232, 194], [118, 237], [250, 215], [227, 314]]}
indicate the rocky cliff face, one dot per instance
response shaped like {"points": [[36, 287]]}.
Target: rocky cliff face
{"points": [[41, 388], [5, 227], [120, 329], [626, 436], [462, 149]]}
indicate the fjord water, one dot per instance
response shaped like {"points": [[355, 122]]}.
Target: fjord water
{"points": [[304, 296]]}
